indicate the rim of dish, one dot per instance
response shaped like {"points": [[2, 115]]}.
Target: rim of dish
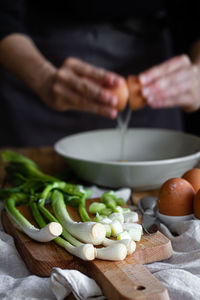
{"points": [[129, 163]]}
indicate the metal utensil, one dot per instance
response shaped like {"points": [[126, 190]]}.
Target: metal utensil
{"points": [[147, 206]]}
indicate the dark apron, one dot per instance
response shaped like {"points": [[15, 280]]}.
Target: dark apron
{"points": [[127, 48]]}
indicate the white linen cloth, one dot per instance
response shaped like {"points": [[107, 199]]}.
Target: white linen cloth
{"points": [[63, 282], [180, 273]]}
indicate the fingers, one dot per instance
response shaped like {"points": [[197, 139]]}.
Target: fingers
{"points": [[188, 101], [100, 75], [66, 99], [182, 100], [171, 85], [163, 69], [85, 87]]}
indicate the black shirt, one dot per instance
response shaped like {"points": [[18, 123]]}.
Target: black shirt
{"points": [[20, 16], [27, 16]]}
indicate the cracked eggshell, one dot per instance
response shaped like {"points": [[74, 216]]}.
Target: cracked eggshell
{"points": [[136, 100], [121, 91]]}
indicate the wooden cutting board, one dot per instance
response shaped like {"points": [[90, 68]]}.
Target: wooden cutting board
{"points": [[128, 279]]}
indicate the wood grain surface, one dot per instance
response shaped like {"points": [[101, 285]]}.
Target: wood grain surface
{"points": [[128, 279]]}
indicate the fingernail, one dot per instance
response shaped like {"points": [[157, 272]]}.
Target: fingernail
{"points": [[117, 81], [114, 101], [143, 79], [145, 91], [120, 80], [112, 80], [108, 96]]}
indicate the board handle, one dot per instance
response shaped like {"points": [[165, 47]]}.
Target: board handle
{"points": [[124, 281]]}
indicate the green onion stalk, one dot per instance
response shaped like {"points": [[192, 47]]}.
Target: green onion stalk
{"points": [[25, 166], [87, 232], [73, 246], [46, 234]]}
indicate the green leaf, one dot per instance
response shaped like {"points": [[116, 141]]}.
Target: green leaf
{"points": [[13, 157]]}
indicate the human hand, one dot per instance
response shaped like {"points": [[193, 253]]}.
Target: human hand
{"points": [[80, 86], [172, 83]]}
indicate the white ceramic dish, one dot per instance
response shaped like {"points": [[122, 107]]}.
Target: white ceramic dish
{"points": [[168, 220], [154, 155]]}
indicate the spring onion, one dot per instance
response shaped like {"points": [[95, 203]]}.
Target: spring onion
{"points": [[125, 210], [105, 221], [46, 234], [110, 203], [88, 232], [96, 207], [79, 202], [108, 230], [25, 166], [116, 228], [106, 211], [118, 209], [30, 181], [130, 244], [134, 230], [83, 251], [120, 201], [123, 235], [109, 197], [98, 217], [113, 252], [130, 217], [117, 216]]}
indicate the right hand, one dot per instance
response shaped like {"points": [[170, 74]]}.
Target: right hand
{"points": [[77, 85]]}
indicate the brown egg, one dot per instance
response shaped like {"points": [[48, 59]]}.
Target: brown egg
{"points": [[193, 177], [121, 91], [176, 197], [196, 205], [136, 100]]}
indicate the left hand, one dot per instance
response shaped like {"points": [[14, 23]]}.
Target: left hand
{"points": [[175, 82]]}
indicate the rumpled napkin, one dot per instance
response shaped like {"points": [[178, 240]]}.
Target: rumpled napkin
{"points": [[63, 282]]}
